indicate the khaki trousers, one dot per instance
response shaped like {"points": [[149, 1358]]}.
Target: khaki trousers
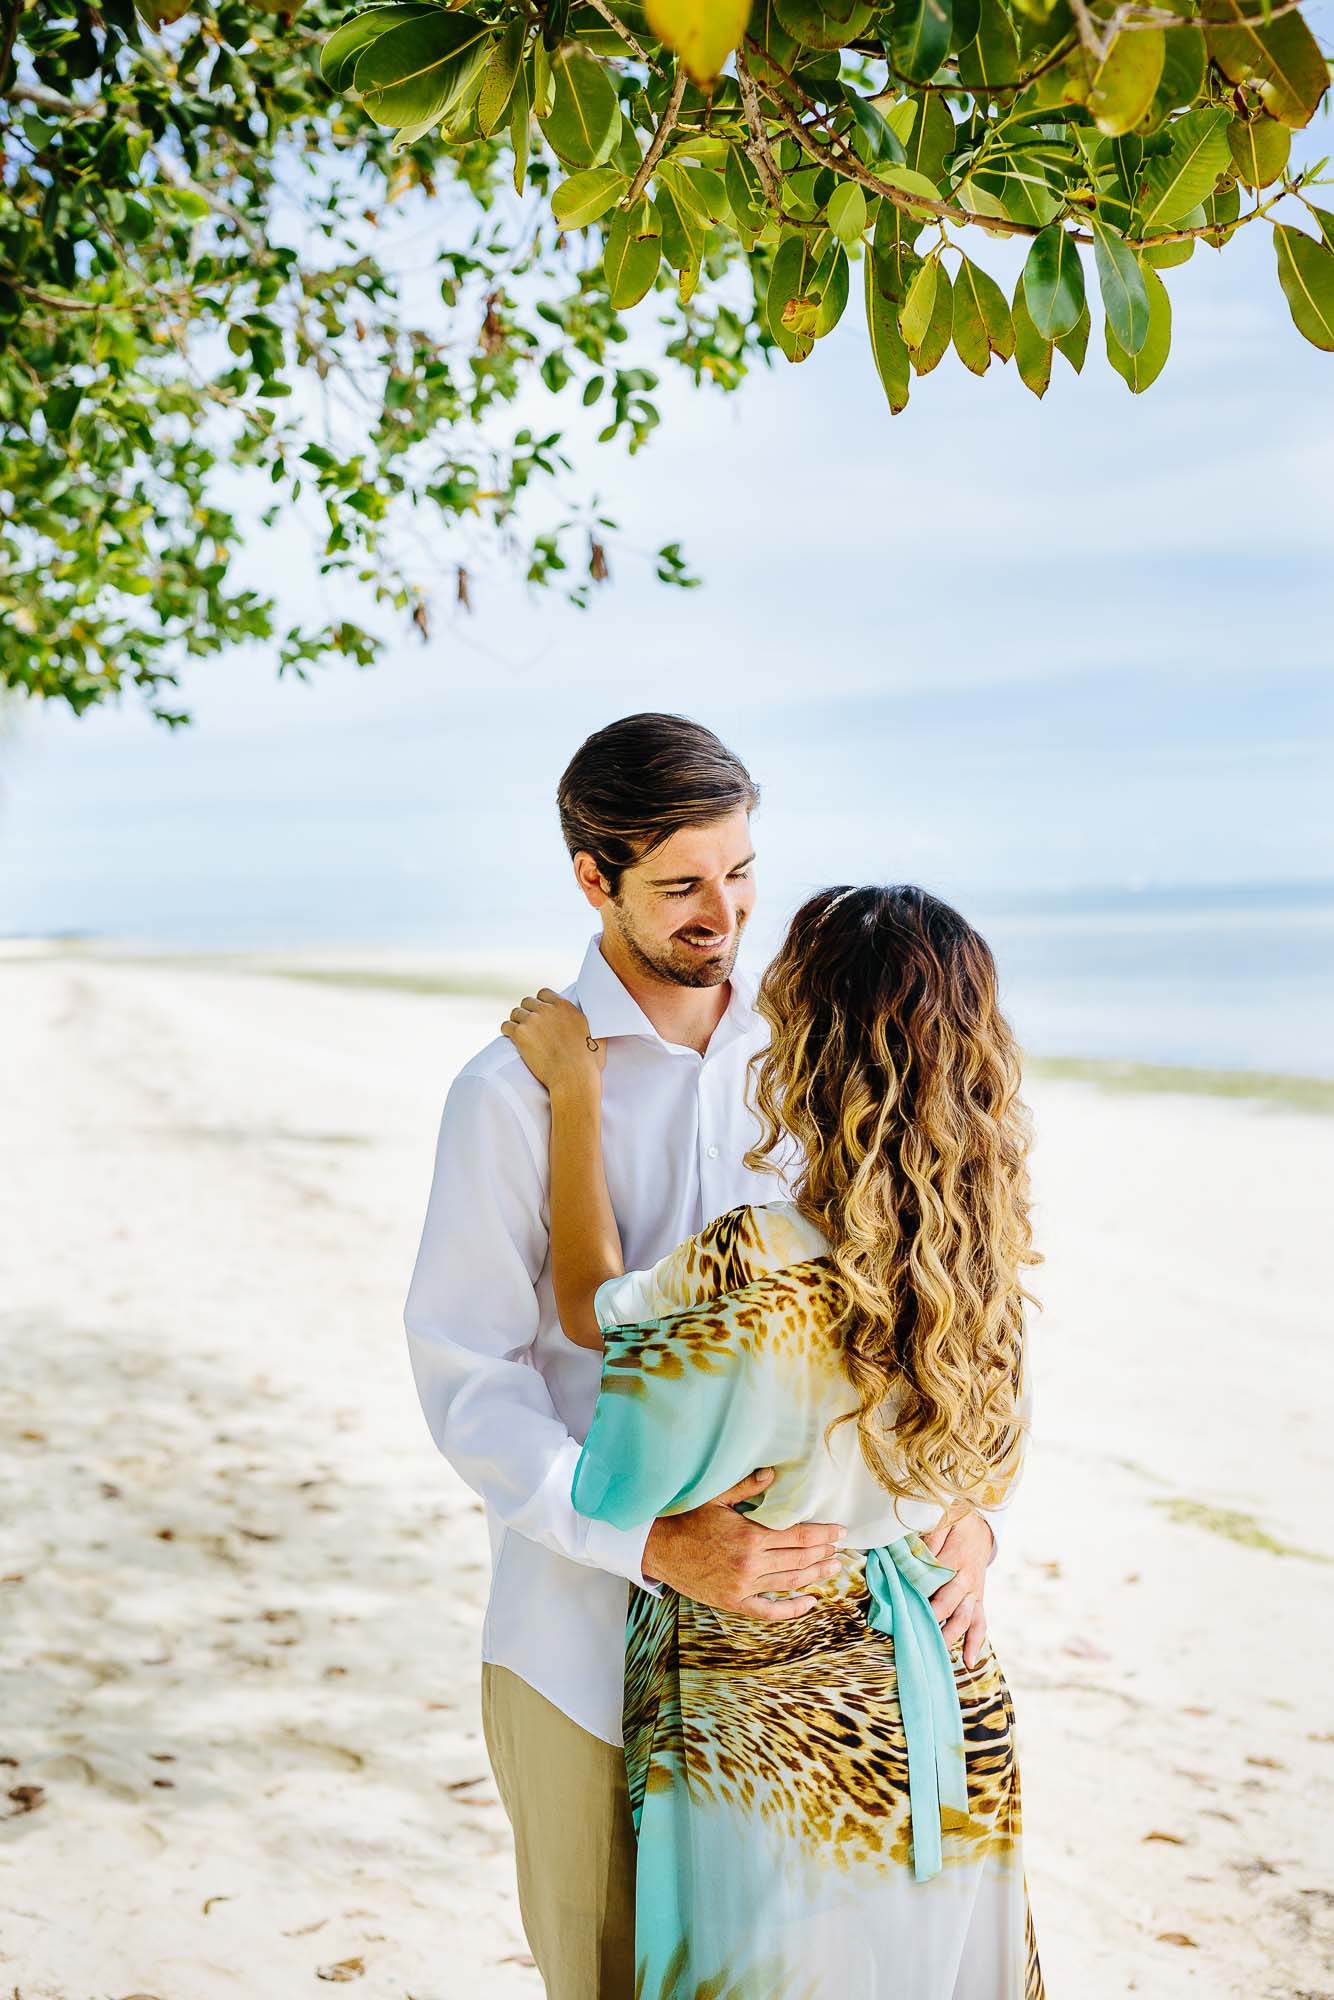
{"points": [[574, 1840]]}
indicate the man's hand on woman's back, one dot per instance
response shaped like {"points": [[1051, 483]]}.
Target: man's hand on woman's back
{"points": [[716, 1556]]}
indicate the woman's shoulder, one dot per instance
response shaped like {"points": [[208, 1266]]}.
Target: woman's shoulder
{"points": [[755, 1240]]}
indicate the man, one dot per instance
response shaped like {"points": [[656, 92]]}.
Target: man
{"points": [[655, 812]]}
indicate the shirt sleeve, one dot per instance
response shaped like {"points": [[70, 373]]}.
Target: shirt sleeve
{"points": [[472, 1317]]}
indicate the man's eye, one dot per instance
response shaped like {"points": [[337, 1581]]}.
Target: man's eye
{"points": [[741, 875]]}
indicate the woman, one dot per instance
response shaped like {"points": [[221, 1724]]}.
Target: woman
{"points": [[827, 1808]]}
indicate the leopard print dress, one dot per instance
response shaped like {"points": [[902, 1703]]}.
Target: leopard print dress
{"points": [[826, 1808]]}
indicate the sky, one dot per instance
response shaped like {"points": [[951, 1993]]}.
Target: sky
{"points": [[1001, 646]]}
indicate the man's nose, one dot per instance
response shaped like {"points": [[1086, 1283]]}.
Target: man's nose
{"points": [[717, 912]]}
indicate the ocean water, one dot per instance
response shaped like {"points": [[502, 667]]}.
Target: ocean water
{"points": [[1240, 978], [1058, 818], [1225, 978]]}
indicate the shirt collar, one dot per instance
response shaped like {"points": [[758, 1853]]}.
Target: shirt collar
{"points": [[611, 1009]]}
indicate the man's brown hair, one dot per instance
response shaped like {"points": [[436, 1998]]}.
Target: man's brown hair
{"points": [[629, 787]]}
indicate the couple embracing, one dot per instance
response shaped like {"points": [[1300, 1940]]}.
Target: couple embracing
{"points": [[719, 1297]]}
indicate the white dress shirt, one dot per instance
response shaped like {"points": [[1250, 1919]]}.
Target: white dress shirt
{"points": [[508, 1398]]}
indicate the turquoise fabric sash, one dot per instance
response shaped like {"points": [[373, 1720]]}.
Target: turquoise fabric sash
{"points": [[899, 1576]]}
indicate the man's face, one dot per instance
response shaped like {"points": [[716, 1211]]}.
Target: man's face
{"points": [[681, 912]]}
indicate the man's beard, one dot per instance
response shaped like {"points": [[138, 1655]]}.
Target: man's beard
{"points": [[677, 963]]}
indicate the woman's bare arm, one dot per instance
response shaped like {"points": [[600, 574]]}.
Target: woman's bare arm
{"points": [[585, 1242], [551, 1034]]}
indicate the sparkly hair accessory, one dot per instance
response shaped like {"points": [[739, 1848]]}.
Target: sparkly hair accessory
{"points": [[837, 900]]}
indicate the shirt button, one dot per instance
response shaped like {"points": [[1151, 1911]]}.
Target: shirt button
{"points": [[713, 1152]]}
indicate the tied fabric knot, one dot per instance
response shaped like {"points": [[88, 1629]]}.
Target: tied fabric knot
{"points": [[900, 1575]]}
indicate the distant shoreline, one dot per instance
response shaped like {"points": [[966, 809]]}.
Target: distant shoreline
{"points": [[1275, 1088]]}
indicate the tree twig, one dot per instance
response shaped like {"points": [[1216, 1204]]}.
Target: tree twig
{"points": [[43, 99], [219, 207], [757, 146], [1089, 37], [659, 139], [61, 305], [845, 162], [614, 21]]}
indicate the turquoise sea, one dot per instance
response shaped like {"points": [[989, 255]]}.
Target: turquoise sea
{"points": [[1152, 859]]}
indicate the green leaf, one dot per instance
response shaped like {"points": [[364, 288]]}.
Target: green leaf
{"points": [[1282, 56], [60, 405], [1306, 273], [1259, 148], [745, 196], [919, 37], [682, 240], [1324, 222], [910, 183], [1138, 370], [876, 137], [412, 75], [702, 32], [1184, 63], [846, 210], [931, 139], [971, 343], [1124, 294], [543, 92], [901, 117], [1031, 352], [936, 341], [1053, 282], [1163, 256], [586, 196], [520, 129], [919, 305], [1221, 208], [1074, 345], [1125, 82], [698, 190], [184, 200], [992, 306], [888, 347], [790, 303], [982, 202], [831, 286], [824, 24], [502, 69], [632, 254], [339, 54], [1188, 172], [992, 57], [137, 222], [584, 122]]}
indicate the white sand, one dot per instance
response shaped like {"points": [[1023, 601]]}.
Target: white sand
{"points": [[240, 1591]]}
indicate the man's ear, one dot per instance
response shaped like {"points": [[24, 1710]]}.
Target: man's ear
{"points": [[596, 888]]}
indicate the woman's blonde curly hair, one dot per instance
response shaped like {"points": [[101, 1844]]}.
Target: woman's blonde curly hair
{"points": [[892, 1067]]}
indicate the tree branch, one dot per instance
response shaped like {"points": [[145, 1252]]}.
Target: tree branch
{"points": [[659, 139], [1089, 37], [43, 99], [757, 146], [219, 207], [845, 162], [614, 21]]}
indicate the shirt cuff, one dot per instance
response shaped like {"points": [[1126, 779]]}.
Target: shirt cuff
{"points": [[620, 1550]]}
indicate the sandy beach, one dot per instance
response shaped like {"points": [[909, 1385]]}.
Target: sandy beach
{"points": [[241, 1592]]}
